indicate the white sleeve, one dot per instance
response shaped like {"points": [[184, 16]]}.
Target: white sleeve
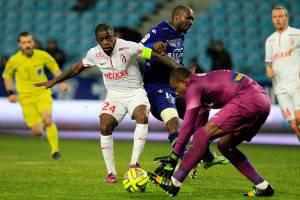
{"points": [[268, 57], [136, 48], [298, 39], [88, 60]]}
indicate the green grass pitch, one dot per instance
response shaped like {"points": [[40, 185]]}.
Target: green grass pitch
{"points": [[28, 172]]}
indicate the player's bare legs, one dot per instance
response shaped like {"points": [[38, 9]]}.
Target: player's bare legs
{"points": [[47, 118], [296, 124], [52, 133], [172, 125], [140, 115], [295, 127], [37, 129], [107, 125], [289, 106]]}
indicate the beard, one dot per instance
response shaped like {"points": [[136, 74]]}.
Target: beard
{"points": [[28, 52]]}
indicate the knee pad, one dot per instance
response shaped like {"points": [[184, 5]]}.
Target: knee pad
{"points": [[168, 114]]}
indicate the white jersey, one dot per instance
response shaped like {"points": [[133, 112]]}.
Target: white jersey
{"points": [[282, 50], [120, 71]]}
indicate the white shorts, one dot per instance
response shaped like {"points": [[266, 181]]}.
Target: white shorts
{"points": [[289, 102], [118, 104]]}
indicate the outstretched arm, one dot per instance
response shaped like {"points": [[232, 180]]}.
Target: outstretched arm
{"points": [[166, 60], [67, 74], [63, 85]]}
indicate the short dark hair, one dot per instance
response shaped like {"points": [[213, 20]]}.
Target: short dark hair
{"points": [[23, 34], [180, 8], [103, 28], [179, 74]]}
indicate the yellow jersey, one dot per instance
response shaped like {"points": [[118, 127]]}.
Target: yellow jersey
{"points": [[29, 70]]}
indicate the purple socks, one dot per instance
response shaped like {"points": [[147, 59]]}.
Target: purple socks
{"points": [[194, 155], [241, 163]]}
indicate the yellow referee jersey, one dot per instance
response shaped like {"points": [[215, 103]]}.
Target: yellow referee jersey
{"points": [[29, 70]]}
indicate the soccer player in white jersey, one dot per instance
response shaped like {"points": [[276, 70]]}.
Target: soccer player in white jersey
{"points": [[117, 60], [283, 66]]}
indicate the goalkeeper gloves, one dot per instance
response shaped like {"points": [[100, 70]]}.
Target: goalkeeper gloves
{"points": [[167, 166]]}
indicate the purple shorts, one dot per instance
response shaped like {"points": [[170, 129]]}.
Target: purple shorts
{"points": [[244, 115]]}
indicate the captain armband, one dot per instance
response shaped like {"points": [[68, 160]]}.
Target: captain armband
{"points": [[146, 53]]}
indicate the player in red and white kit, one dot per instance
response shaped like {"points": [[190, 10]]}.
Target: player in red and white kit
{"points": [[283, 66], [117, 60]]}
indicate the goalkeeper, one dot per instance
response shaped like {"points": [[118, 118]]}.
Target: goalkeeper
{"points": [[244, 107]]}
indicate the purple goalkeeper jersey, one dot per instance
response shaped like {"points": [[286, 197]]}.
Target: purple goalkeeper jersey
{"points": [[211, 90]]}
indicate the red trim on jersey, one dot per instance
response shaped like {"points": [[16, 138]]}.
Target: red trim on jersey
{"points": [[280, 40], [111, 62]]}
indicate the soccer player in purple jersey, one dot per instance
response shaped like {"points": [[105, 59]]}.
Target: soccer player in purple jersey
{"points": [[244, 107]]}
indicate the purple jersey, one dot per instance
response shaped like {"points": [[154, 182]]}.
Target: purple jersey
{"points": [[217, 89], [155, 72]]}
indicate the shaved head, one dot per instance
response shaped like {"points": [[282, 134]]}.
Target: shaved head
{"points": [[178, 9], [182, 18], [179, 74], [104, 28]]}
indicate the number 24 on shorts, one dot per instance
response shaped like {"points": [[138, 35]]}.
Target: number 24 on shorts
{"points": [[106, 106]]}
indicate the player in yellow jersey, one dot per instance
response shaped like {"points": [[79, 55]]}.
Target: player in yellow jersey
{"points": [[26, 67]]}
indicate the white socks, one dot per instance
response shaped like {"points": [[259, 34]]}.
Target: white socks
{"points": [[107, 147], [140, 136], [262, 185]]}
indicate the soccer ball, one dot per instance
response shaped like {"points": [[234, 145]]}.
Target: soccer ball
{"points": [[135, 180]]}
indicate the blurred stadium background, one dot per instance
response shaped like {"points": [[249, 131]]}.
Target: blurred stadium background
{"points": [[26, 171], [242, 25]]}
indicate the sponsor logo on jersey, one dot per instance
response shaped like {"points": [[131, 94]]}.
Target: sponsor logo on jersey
{"points": [[116, 75], [176, 55], [99, 55], [280, 55], [123, 58]]}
